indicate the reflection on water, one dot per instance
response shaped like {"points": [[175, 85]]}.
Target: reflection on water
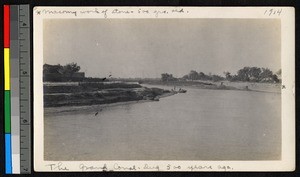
{"points": [[197, 125]]}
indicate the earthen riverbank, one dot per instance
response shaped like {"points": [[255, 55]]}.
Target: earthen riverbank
{"points": [[99, 93]]}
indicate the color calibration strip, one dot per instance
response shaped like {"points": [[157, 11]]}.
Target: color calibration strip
{"points": [[17, 89], [7, 103]]}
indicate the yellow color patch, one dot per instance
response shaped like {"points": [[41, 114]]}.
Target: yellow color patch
{"points": [[6, 69]]}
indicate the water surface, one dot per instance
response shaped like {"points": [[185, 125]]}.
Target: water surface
{"points": [[198, 125]]}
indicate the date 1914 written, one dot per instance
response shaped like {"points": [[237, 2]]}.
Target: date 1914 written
{"points": [[273, 12]]}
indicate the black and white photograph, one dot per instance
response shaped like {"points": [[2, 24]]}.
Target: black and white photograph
{"points": [[161, 89]]}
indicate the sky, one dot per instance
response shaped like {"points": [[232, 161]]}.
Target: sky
{"points": [[146, 48]]}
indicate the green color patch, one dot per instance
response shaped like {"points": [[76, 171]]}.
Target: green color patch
{"points": [[7, 117]]}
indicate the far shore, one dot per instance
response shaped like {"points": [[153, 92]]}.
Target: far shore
{"points": [[222, 85]]}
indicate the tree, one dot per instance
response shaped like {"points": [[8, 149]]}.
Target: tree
{"points": [[165, 77], [243, 74], [217, 78], [186, 77], [254, 73], [246, 74], [70, 68], [228, 75], [249, 74], [275, 78], [202, 76], [193, 75], [266, 75]]}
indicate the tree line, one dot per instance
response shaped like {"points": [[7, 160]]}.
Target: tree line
{"points": [[68, 69], [246, 74]]}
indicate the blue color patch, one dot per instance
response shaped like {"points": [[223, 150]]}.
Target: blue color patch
{"points": [[8, 155]]}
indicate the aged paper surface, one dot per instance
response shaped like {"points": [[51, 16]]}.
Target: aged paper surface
{"points": [[164, 89]]}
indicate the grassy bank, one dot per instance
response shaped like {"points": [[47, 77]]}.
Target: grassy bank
{"points": [[98, 93]]}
